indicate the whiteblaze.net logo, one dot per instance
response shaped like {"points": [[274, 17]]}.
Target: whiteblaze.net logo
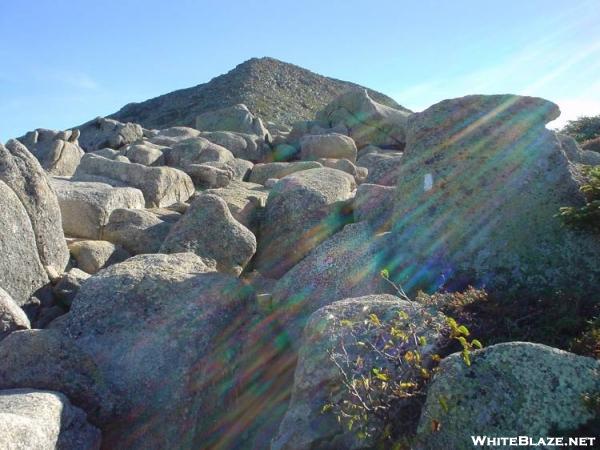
{"points": [[527, 441]]}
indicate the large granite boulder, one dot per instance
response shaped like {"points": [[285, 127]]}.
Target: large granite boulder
{"points": [[43, 420], [330, 145], [136, 230], [331, 331], [91, 256], [348, 264], [246, 202], [209, 230], [46, 359], [102, 132], [479, 189], [367, 121], [303, 209], [236, 118], [12, 317], [86, 207], [18, 249], [384, 168], [163, 332], [207, 176], [511, 389], [372, 204], [262, 172], [161, 186], [145, 153], [197, 150], [345, 165], [172, 135], [245, 146], [23, 174], [58, 152]]}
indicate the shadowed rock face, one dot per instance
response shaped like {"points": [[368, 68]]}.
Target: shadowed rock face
{"points": [[275, 91], [478, 191]]}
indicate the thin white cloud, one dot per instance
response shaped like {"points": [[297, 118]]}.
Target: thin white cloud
{"points": [[572, 108]]}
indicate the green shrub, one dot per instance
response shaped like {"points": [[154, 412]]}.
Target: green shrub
{"points": [[588, 342], [587, 216], [384, 385], [583, 129]]}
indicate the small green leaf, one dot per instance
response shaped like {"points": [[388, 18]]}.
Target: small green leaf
{"points": [[422, 340], [385, 273], [476, 343], [326, 407], [463, 330], [466, 357], [375, 320], [443, 403]]}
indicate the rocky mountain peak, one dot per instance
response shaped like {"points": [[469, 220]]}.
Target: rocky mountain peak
{"points": [[274, 90]]}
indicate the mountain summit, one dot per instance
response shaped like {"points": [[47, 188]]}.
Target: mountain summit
{"points": [[276, 91]]}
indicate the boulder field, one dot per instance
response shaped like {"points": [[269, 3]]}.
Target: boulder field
{"points": [[239, 283]]}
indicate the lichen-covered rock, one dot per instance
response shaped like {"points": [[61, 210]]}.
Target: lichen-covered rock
{"points": [[58, 152], [86, 207], [43, 420], [209, 230], [91, 256], [209, 177], [348, 264], [163, 332], [373, 203], [23, 174], [137, 230], [197, 150], [161, 186], [367, 121], [231, 118], [102, 132], [511, 389], [172, 135], [12, 317], [241, 168], [344, 165], [145, 153], [479, 189], [384, 168], [246, 202], [18, 250], [45, 359], [262, 172], [244, 146], [330, 145], [317, 376], [303, 209]]}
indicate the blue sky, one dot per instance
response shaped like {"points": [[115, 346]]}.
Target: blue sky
{"points": [[67, 61]]}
